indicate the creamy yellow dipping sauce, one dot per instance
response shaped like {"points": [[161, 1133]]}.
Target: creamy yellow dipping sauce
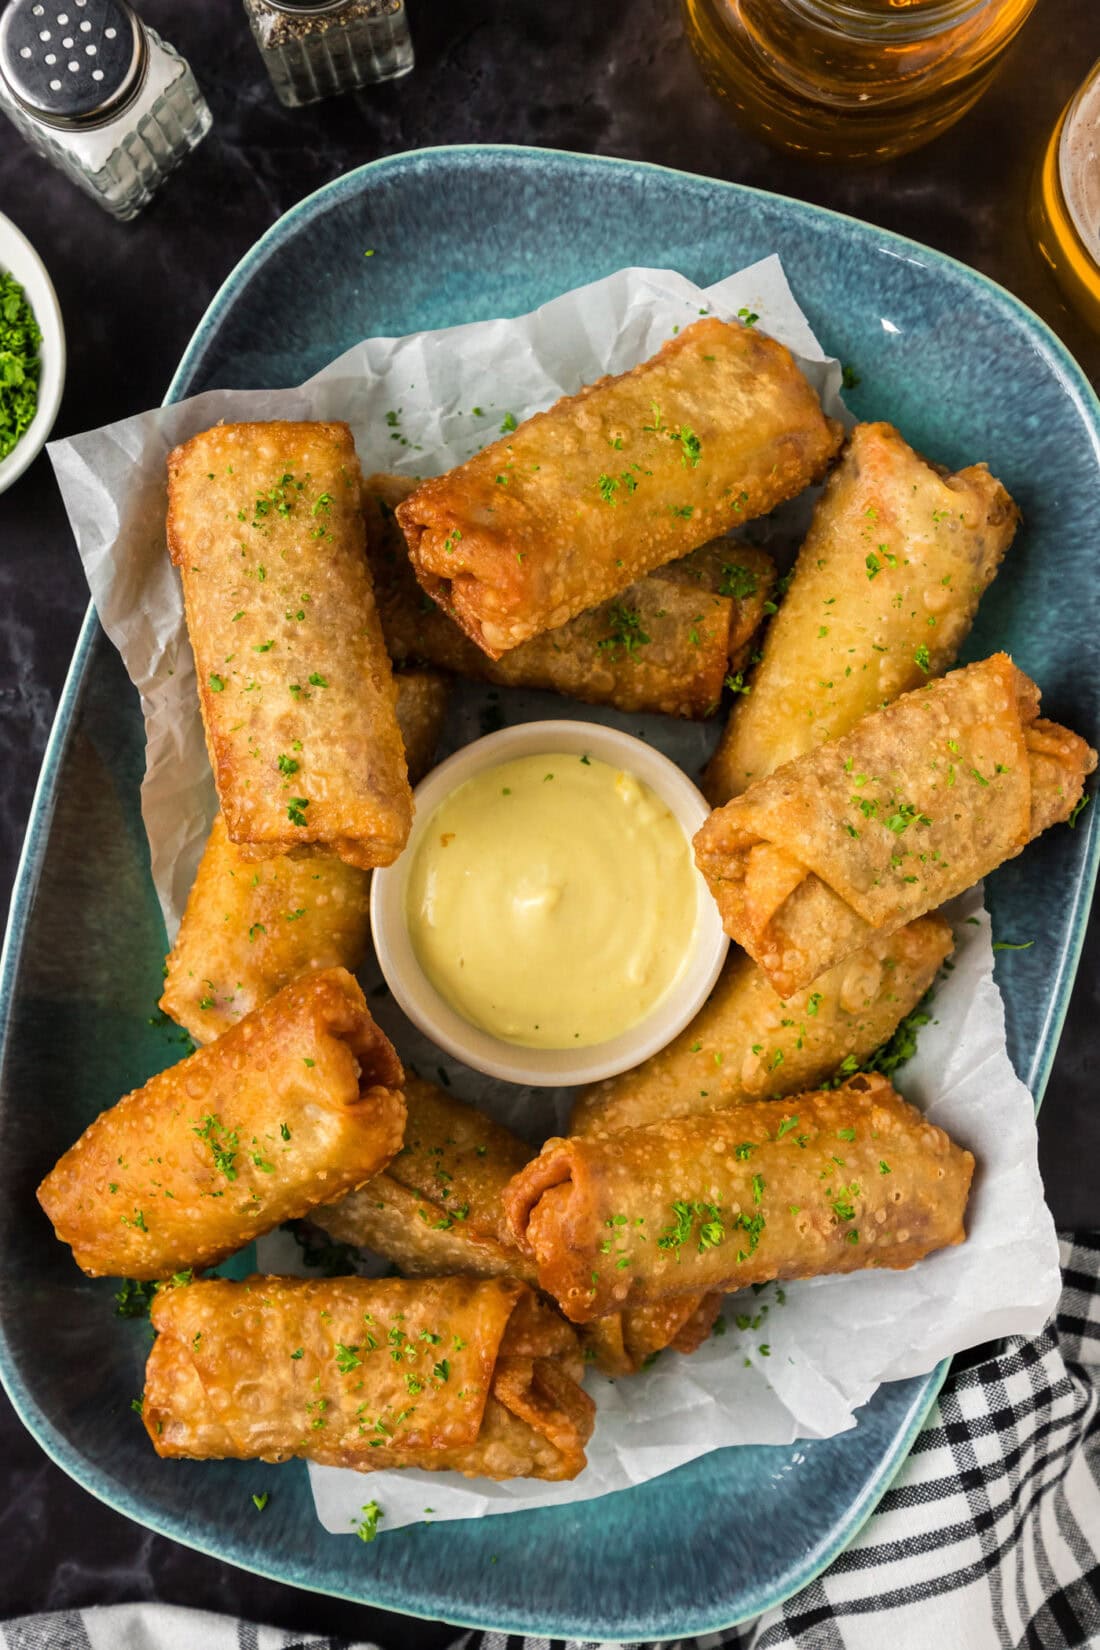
{"points": [[552, 900]]}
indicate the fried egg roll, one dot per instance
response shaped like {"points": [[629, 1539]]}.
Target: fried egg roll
{"points": [[914, 805], [297, 697], [664, 644], [436, 1210], [298, 1103], [250, 927], [834, 1181], [883, 595], [624, 1343], [583, 500], [746, 1043], [479, 1377]]}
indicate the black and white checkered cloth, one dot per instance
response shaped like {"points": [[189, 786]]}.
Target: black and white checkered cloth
{"points": [[988, 1539]]}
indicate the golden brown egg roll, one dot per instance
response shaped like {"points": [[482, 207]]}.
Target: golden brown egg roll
{"points": [[884, 592], [479, 1377], [746, 1043], [827, 1182], [436, 1210], [913, 806], [297, 696], [422, 698], [624, 1343], [580, 501], [664, 644], [250, 927], [299, 1102]]}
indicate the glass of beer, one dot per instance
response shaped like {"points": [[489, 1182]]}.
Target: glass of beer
{"points": [[851, 80], [1065, 205]]}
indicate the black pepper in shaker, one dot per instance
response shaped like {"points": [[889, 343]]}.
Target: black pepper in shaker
{"points": [[101, 95], [319, 48]]}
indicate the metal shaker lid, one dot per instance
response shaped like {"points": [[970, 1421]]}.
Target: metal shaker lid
{"points": [[72, 63]]}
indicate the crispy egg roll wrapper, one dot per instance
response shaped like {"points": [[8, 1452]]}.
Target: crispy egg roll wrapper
{"points": [[298, 1103], [436, 1207], [746, 1043], [624, 1343], [664, 644], [297, 697], [914, 805], [436, 1210], [884, 592], [583, 500], [422, 698], [834, 1181], [250, 927], [479, 1377]]}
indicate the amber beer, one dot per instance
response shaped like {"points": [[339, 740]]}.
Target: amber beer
{"points": [[1065, 205], [851, 80]]}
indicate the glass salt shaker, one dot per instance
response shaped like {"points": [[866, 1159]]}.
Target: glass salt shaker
{"points": [[319, 48], [101, 95]]}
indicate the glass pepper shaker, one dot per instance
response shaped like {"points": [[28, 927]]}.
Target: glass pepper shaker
{"points": [[101, 95], [319, 48]]}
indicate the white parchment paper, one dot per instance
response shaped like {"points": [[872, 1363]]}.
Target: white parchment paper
{"points": [[792, 1363]]}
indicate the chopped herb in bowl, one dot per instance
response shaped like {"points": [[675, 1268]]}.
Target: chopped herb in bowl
{"points": [[19, 363]]}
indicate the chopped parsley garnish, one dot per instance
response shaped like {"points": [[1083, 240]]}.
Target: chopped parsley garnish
{"points": [[134, 1298], [19, 363], [368, 1525], [261, 1501], [296, 809], [1078, 809], [223, 1143], [217, 683], [287, 764], [508, 423], [922, 659], [737, 581], [347, 1358], [626, 634]]}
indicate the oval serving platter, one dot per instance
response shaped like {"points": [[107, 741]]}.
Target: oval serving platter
{"points": [[466, 234]]}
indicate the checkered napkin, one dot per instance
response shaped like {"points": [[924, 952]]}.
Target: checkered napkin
{"points": [[988, 1539]]}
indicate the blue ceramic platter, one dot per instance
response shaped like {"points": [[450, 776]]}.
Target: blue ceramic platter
{"points": [[462, 235]]}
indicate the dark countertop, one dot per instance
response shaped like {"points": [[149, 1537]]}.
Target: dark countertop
{"points": [[615, 79]]}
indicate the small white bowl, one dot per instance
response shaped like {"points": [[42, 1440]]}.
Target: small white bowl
{"points": [[515, 1063], [19, 259]]}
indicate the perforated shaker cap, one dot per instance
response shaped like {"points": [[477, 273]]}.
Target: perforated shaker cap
{"points": [[72, 63]]}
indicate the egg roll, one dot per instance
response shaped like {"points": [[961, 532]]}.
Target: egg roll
{"points": [[436, 1210], [298, 1103], [746, 1043], [250, 927], [479, 1377], [295, 687], [883, 595], [581, 501], [664, 644], [833, 1181], [914, 805], [625, 1343]]}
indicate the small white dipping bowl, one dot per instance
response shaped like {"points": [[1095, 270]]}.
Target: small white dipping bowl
{"points": [[514, 1063], [19, 259]]}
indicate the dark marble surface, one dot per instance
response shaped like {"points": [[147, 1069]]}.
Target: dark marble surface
{"points": [[614, 79]]}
